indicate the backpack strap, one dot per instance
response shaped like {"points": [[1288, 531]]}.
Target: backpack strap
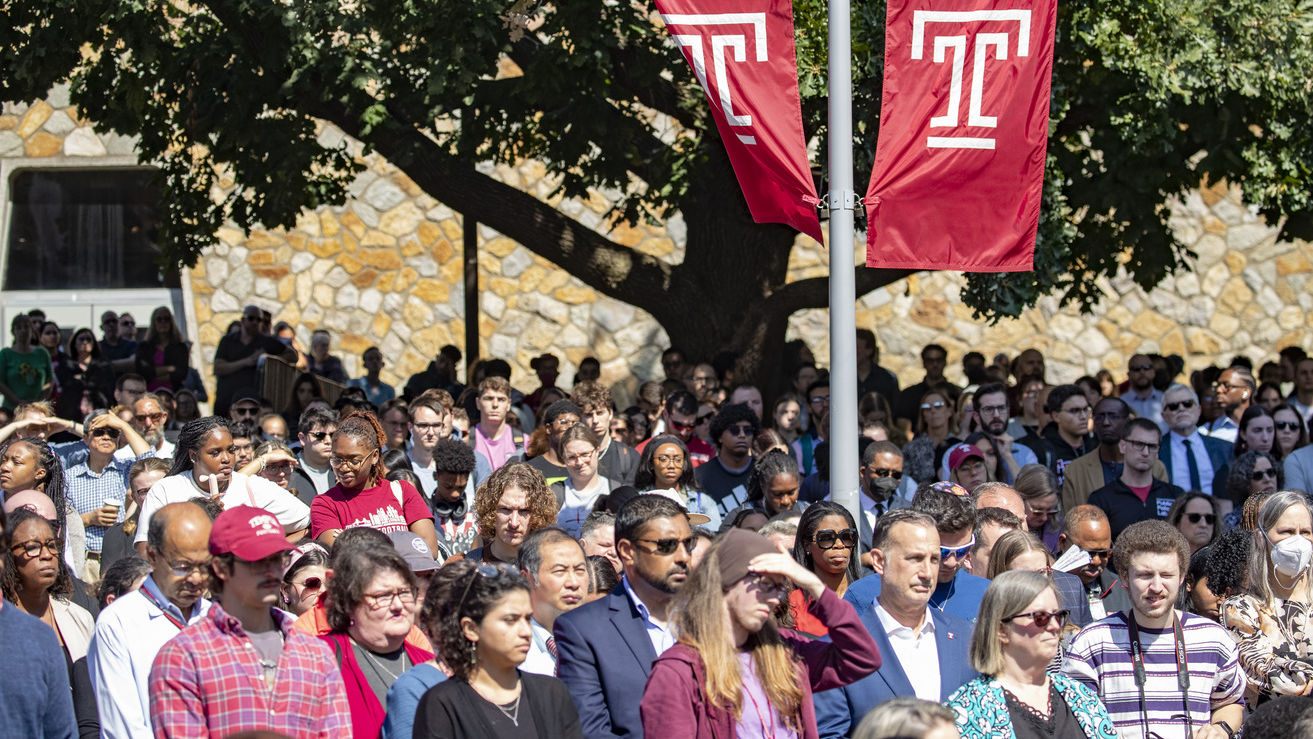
{"points": [[396, 490]]}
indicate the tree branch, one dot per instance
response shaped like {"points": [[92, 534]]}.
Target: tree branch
{"points": [[814, 292]]}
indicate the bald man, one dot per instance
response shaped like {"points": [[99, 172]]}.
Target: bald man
{"points": [[1087, 527], [130, 633], [1000, 495]]}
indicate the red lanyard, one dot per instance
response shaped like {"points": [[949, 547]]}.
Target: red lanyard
{"points": [[167, 613]]}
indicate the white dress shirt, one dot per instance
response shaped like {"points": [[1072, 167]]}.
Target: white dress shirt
{"points": [[917, 653], [662, 637], [165, 451], [129, 633], [539, 661], [1221, 428], [1180, 471], [242, 490], [1150, 407]]}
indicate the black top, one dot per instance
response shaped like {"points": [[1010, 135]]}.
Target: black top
{"points": [[1124, 507], [231, 349], [619, 462], [453, 709], [1027, 724]]}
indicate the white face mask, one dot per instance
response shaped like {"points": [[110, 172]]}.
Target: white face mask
{"points": [[1291, 556]]}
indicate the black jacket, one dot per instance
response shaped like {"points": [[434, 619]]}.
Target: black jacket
{"points": [[1124, 507]]}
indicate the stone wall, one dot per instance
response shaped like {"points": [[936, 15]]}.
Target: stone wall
{"points": [[386, 269]]}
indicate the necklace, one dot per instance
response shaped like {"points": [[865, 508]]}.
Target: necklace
{"points": [[512, 713], [369, 655]]}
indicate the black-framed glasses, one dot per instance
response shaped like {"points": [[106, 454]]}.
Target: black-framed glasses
{"points": [[1097, 552], [1148, 447], [676, 460], [667, 547], [107, 431], [1287, 425], [741, 429], [886, 472], [1178, 405], [32, 549], [352, 463], [829, 538], [1207, 518], [320, 436], [379, 601], [245, 410], [768, 587], [992, 410], [1042, 618], [1267, 474]]}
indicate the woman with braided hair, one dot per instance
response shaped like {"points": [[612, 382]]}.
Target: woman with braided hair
{"points": [[203, 468], [363, 496]]}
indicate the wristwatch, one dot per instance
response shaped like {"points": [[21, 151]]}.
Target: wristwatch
{"points": [[1230, 732]]}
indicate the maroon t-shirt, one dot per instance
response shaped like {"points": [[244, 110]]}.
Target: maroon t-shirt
{"points": [[1141, 493], [375, 508]]}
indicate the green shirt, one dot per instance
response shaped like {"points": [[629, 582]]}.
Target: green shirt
{"points": [[25, 374]]}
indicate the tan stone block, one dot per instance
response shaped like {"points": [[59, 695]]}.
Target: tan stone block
{"points": [[209, 334], [1235, 261], [380, 258], [1201, 341], [575, 295], [452, 271], [555, 278], [324, 248], [349, 263], [286, 288], [1295, 262], [323, 295], [364, 279], [1109, 329], [378, 238], [261, 257], [500, 247], [405, 279], [931, 311], [416, 316], [428, 233], [1173, 343], [1211, 193], [203, 312], [411, 248], [354, 344], [1214, 225], [1235, 296], [385, 282], [430, 339], [1150, 325], [606, 349], [352, 223], [661, 246], [408, 186], [283, 254], [273, 273], [1290, 317], [308, 223], [1224, 324], [442, 251], [42, 145], [487, 327], [1293, 338], [349, 243], [1120, 316], [623, 233], [1285, 293], [453, 230], [202, 288], [328, 224], [34, 119], [382, 322], [502, 286], [262, 240], [1253, 313], [432, 291], [8, 122], [401, 220]]}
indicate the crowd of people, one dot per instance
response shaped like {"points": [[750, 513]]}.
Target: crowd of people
{"points": [[1095, 559]]}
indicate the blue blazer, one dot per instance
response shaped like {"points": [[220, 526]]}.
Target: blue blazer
{"points": [[838, 711], [1219, 456], [1071, 596], [604, 657]]}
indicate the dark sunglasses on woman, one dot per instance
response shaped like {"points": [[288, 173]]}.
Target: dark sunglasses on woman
{"points": [[829, 538]]}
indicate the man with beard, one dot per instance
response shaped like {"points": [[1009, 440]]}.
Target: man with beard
{"points": [[1234, 391], [725, 478], [148, 419], [1142, 397], [131, 633], [992, 409], [1103, 464], [605, 649]]}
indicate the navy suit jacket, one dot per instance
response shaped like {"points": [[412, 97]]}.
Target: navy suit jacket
{"points": [[1071, 596], [838, 711], [1219, 456], [604, 657]]}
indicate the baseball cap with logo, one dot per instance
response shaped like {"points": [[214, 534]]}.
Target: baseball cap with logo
{"points": [[248, 533], [413, 549], [961, 453]]}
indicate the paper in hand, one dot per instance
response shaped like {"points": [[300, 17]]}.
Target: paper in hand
{"points": [[1072, 559]]}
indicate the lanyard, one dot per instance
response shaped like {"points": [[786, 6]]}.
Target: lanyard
{"points": [[167, 613], [1182, 670]]}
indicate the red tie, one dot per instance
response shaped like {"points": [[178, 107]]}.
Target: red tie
{"points": [[551, 646]]}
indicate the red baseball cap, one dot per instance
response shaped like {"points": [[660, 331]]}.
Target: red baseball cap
{"points": [[248, 533], [961, 453]]}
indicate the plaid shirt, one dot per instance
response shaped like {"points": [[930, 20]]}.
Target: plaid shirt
{"points": [[208, 682], [89, 490]]}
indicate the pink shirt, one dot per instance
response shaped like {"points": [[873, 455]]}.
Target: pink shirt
{"points": [[375, 508], [496, 450]]}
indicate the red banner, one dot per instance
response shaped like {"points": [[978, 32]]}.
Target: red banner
{"points": [[959, 165], [743, 54]]}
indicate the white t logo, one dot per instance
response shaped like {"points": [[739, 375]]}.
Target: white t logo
{"points": [[719, 43], [958, 43]]}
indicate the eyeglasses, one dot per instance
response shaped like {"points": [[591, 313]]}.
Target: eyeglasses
{"points": [[245, 410], [580, 458], [936, 404], [820, 399], [958, 552], [565, 422], [767, 587], [427, 426], [886, 472], [482, 569], [351, 462], [829, 538], [667, 547], [105, 431], [1229, 386], [1078, 412], [1207, 518], [1042, 618], [1047, 512], [379, 601], [32, 549], [310, 583], [1096, 553], [1269, 474], [1147, 447], [1141, 368], [320, 436], [741, 429], [676, 425], [666, 459], [1178, 405], [1287, 425], [187, 569], [992, 410]]}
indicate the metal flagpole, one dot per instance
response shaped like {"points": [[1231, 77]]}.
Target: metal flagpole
{"points": [[843, 319]]}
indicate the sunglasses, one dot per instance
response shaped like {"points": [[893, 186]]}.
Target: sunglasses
{"points": [[1042, 618], [829, 538], [959, 552], [245, 411], [105, 431], [1287, 425], [1207, 518], [742, 429], [318, 436], [1141, 368], [1097, 552], [666, 547], [1263, 474], [682, 426], [886, 472], [311, 583], [936, 404], [1178, 405]]}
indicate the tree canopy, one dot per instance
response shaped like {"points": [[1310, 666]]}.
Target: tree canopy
{"points": [[1149, 97]]}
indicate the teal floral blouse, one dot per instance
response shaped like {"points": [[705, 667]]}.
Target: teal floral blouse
{"points": [[982, 711]]}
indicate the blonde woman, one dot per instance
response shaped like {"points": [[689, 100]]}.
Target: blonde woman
{"points": [[732, 671]]}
